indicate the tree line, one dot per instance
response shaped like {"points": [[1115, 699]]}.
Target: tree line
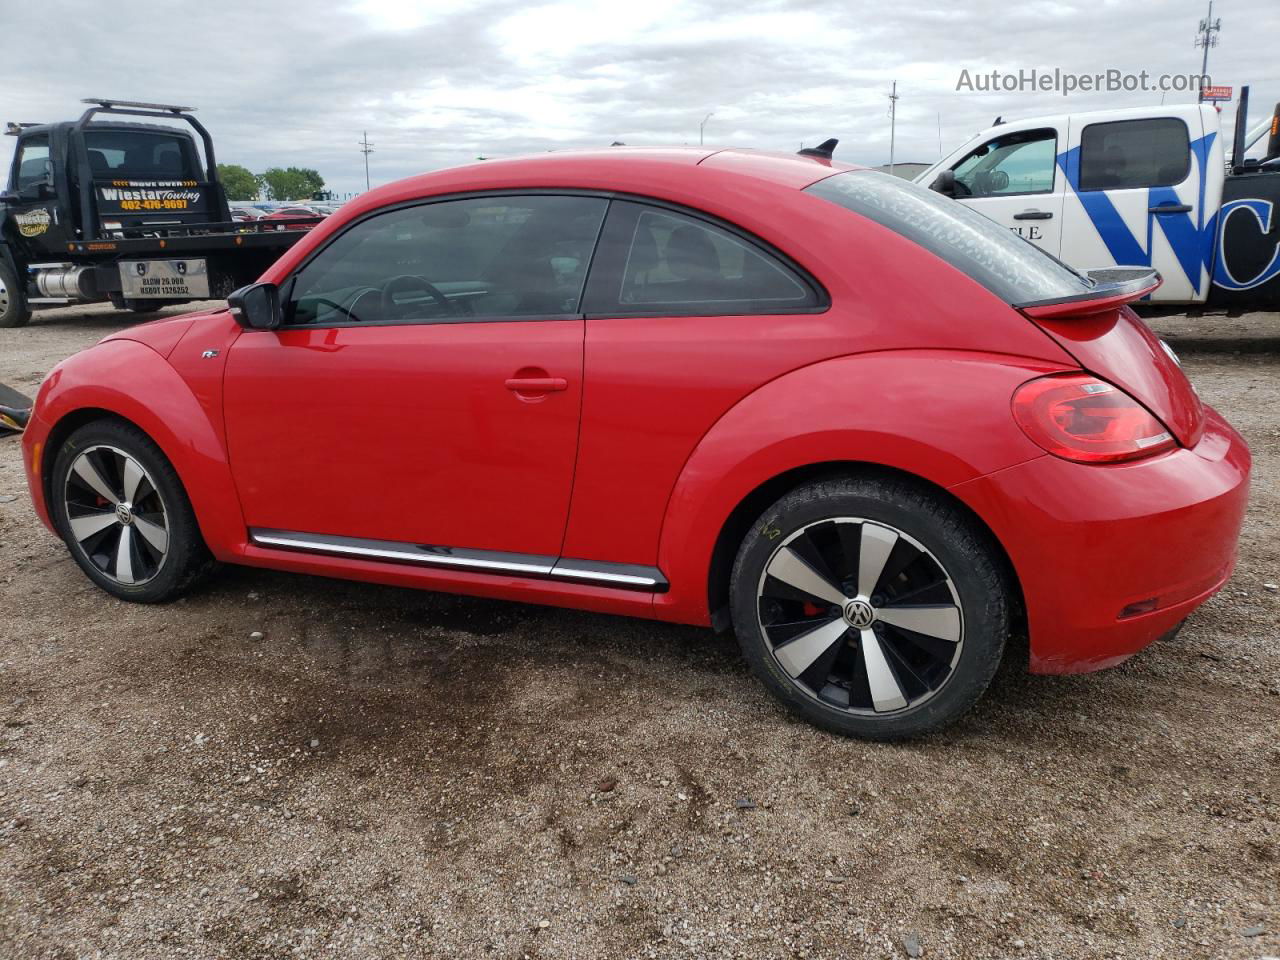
{"points": [[276, 183]]}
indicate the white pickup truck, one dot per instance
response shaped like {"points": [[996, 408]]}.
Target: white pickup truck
{"points": [[1146, 186]]}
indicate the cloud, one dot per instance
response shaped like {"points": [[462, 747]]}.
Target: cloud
{"points": [[438, 82]]}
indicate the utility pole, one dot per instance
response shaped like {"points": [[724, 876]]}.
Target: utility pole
{"points": [[893, 121], [366, 148], [703, 124], [1207, 36]]}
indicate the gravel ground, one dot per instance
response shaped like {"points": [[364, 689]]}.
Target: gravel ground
{"points": [[282, 766]]}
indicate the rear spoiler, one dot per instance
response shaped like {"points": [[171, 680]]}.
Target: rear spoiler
{"points": [[1111, 287]]}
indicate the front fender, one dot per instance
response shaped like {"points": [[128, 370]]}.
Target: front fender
{"points": [[940, 415], [130, 380]]}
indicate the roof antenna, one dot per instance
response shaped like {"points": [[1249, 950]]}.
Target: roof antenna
{"points": [[823, 151]]}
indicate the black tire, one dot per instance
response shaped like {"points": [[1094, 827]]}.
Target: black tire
{"points": [[941, 559], [14, 310], [158, 501]]}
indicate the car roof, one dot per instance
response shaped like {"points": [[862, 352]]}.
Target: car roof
{"points": [[745, 187], [621, 169]]}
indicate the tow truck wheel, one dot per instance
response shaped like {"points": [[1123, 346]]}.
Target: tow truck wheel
{"points": [[14, 311], [142, 306]]}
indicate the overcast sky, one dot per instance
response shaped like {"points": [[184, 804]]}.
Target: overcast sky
{"points": [[439, 82]]}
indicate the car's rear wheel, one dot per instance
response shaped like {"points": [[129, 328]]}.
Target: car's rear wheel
{"points": [[14, 311], [119, 506], [872, 607]]}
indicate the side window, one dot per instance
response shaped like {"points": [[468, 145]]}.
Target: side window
{"points": [[453, 260], [1134, 153], [33, 162], [658, 261], [1017, 163]]}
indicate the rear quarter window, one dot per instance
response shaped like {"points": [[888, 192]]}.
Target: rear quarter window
{"points": [[657, 261], [1014, 269], [1129, 154]]}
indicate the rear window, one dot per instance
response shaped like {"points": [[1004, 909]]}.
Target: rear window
{"points": [[139, 155], [1128, 154], [1014, 269]]}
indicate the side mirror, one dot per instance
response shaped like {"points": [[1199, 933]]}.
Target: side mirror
{"points": [[944, 183], [34, 192], [257, 306]]}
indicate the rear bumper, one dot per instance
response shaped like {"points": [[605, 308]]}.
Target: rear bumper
{"points": [[1088, 541]]}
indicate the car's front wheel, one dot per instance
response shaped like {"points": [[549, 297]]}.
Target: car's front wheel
{"points": [[872, 607], [118, 504]]}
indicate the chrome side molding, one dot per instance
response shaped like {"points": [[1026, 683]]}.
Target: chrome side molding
{"points": [[624, 575]]}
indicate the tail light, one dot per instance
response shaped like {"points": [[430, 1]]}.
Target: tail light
{"points": [[1081, 418]]}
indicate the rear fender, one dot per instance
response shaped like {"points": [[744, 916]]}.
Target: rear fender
{"points": [[132, 381], [898, 409]]}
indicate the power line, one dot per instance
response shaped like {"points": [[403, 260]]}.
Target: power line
{"points": [[893, 121], [1207, 36], [703, 124], [366, 148]]}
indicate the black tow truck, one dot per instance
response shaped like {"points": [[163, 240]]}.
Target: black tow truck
{"points": [[102, 209]]}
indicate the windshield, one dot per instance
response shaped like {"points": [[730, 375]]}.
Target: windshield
{"points": [[1012, 268], [139, 155]]}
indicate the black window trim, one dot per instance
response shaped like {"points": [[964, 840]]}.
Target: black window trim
{"points": [[1186, 170], [1053, 186], [799, 273], [599, 304]]}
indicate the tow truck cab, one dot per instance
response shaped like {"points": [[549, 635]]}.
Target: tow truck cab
{"points": [[102, 208], [1144, 186], [135, 178]]}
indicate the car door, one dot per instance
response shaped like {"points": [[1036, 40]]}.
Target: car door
{"points": [[1137, 198], [425, 387], [1013, 179], [38, 219]]}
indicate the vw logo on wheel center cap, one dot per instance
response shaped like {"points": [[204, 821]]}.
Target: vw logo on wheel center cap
{"points": [[859, 614], [124, 514]]}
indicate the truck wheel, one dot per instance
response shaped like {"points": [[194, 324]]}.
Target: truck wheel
{"points": [[871, 607], [14, 311]]}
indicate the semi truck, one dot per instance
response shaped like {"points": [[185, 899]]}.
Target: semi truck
{"points": [[106, 209], [1143, 186]]}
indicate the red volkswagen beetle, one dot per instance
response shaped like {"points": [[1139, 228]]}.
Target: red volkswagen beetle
{"points": [[865, 427]]}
